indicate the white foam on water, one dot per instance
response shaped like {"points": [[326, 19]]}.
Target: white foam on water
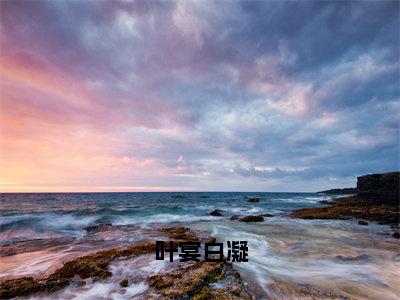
{"points": [[162, 218], [68, 221], [310, 256], [101, 290]]}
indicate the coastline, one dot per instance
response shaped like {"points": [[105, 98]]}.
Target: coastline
{"points": [[290, 252]]}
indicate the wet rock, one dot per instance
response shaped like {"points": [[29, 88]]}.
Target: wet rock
{"points": [[124, 283], [216, 212], [202, 280], [235, 218], [351, 207], [248, 219], [89, 266], [362, 222], [27, 285], [288, 290], [253, 199], [180, 233], [377, 200], [97, 228], [396, 235]]}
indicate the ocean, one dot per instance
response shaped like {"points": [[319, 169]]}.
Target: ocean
{"points": [[41, 231]]}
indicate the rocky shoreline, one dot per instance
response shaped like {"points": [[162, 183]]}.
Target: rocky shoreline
{"points": [[191, 280], [377, 200], [206, 280]]}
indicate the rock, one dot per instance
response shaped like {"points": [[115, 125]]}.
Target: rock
{"points": [[89, 266], [351, 207], [396, 235], [248, 219], [267, 215], [379, 188], [362, 222], [345, 191], [253, 199], [235, 218], [180, 233], [216, 212], [202, 280], [93, 266], [98, 227], [291, 290], [124, 283]]}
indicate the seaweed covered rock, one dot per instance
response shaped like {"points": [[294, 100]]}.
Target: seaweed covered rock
{"points": [[124, 283], [89, 266], [180, 233], [351, 207], [249, 219], [202, 280], [287, 290]]}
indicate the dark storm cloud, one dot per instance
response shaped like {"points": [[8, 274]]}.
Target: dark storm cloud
{"points": [[259, 89]]}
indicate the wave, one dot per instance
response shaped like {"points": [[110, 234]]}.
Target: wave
{"points": [[162, 218]]}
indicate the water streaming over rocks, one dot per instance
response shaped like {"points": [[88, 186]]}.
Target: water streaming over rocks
{"points": [[287, 257]]}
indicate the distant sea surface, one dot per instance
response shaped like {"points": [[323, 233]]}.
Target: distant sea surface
{"points": [[341, 256]]}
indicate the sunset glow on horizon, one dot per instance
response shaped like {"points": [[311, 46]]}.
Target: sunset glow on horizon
{"points": [[197, 95]]}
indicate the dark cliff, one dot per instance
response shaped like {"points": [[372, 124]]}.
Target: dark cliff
{"points": [[379, 188]]}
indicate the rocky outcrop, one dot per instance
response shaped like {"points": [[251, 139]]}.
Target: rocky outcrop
{"points": [[89, 266], [93, 265], [289, 290], [362, 222], [202, 280], [345, 191], [379, 188], [124, 283], [349, 208], [249, 219], [377, 200]]}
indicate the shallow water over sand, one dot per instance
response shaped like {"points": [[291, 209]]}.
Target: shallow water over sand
{"points": [[288, 258]]}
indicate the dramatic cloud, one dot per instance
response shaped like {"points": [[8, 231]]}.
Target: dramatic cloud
{"points": [[197, 95]]}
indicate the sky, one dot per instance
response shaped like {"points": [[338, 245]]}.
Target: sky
{"points": [[197, 95]]}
